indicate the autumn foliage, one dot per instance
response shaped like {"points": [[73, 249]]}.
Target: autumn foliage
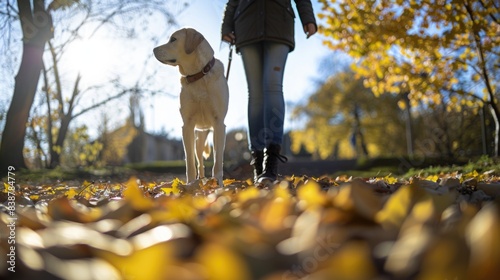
{"points": [[436, 52], [438, 227]]}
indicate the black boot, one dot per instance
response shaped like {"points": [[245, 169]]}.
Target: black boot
{"points": [[271, 157], [257, 160]]}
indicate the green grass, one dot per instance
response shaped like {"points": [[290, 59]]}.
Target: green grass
{"points": [[481, 165], [406, 167]]}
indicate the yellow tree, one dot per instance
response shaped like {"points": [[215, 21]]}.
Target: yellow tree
{"points": [[343, 120], [435, 50]]}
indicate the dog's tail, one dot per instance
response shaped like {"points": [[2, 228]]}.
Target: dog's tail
{"points": [[206, 150]]}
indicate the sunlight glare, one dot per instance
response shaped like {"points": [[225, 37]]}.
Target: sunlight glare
{"points": [[93, 58]]}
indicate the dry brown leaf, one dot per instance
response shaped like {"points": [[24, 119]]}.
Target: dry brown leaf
{"points": [[482, 235], [359, 197]]}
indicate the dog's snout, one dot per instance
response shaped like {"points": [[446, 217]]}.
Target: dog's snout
{"points": [[158, 54], [155, 52], [163, 56]]}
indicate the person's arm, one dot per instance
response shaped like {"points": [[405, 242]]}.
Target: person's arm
{"points": [[227, 31], [306, 14]]}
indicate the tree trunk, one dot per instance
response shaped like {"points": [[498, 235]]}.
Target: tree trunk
{"points": [[359, 134], [496, 118], [482, 114], [36, 23], [26, 82], [50, 139], [409, 125], [66, 118], [55, 153]]}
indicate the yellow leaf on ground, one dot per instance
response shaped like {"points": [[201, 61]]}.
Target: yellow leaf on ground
{"points": [[135, 196], [71, 193], [446, 258], [390, 180], [433, 178], [147, 264], [6, 187], [221, 263], [482, 236], [248, 193], [310, 195], [358, 196], [282, 191], [399, 205], [413, 203], [179, 209], [172, 187], [274, 213], [353, 261], [86, 184], [228, 181]]}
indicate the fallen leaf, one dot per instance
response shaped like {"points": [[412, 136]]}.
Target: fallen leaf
{"points": [[482, 236], [359, 197], [310, 195], [221, 263], [352, 261], [135, 196]]}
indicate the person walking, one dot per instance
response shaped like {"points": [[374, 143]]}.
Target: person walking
{"points": [[263, 33]]}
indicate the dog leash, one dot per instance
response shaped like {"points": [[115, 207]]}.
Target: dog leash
{"points": [[231, 47]]}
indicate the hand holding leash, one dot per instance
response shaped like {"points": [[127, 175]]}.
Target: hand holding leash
{"points": [[230, 38]]}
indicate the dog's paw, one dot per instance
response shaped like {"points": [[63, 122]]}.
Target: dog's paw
{"points": [[220, 182]]}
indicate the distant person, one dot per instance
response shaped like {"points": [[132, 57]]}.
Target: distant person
{"points": [[263, 33]]}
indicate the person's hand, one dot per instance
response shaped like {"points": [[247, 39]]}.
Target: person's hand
{"points": [[230, 38], [310, 29]]}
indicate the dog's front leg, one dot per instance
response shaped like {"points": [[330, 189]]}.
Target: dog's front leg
{"points": [[201, 140], [188, 141], [219, 143]]}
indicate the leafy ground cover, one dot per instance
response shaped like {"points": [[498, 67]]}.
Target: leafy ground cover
{"points": [[427, 226]]}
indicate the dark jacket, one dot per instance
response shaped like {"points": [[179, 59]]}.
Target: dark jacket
{"points": [[271, 20]]}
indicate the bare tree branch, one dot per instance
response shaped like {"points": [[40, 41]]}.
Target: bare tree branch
{"points": [[492, 16], [57, 76], [103, 102], [46, 87], [74, 95]]}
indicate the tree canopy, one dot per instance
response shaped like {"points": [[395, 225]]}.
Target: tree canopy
{"points": [[344, 120], [437, 51]]}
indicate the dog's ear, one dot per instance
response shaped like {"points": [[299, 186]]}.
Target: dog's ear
{"points": [[193, 39]]}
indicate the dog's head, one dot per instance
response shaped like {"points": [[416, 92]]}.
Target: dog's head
{"points": [[182, 43]]}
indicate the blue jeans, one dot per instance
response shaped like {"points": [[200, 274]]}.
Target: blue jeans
{"points": [[264, 64]]}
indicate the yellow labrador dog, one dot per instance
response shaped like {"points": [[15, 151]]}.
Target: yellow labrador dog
{"points": [[204, 98]]}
